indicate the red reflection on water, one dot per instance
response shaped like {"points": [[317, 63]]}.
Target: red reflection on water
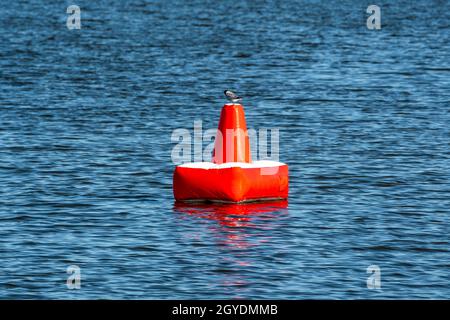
{"points": [[240, 228], [232, 215]]}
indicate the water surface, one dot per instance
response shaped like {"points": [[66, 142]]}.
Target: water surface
{"points": [[86, 118]]}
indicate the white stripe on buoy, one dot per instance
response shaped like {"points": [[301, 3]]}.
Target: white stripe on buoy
{"points": [[254, 164]]}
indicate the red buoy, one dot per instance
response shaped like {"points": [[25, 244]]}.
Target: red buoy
{"points": [[232, 176]]}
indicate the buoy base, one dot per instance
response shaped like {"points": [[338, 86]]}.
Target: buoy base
{"points": [[233, 182], [216, 201]]}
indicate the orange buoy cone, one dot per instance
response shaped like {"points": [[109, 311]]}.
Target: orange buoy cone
{"points": [[232, 143]]}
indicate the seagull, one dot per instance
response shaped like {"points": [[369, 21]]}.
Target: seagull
{"points": [[233, 97]]}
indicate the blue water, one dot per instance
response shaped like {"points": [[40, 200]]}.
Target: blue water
{"points": [[86, 118]]}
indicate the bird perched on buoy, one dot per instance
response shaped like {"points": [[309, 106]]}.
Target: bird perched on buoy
{"points": [[233, 97]]}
